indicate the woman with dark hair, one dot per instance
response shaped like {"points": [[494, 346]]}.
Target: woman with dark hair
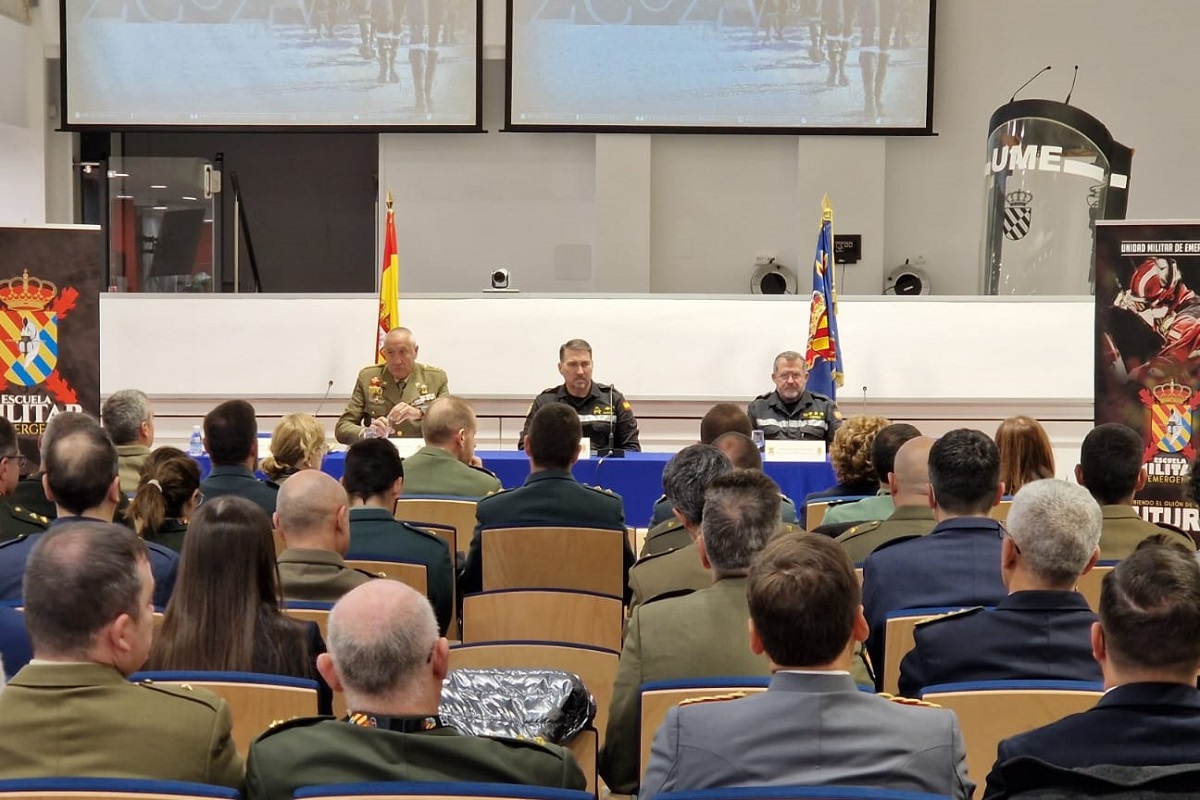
{"points": [[167, 493], [224, 614], [1025, 453]]}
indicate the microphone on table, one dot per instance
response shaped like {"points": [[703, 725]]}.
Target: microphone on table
{"points": [[864, 406], [612, 450], [320, 405], [1036, 75]]}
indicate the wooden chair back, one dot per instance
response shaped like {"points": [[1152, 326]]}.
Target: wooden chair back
{"points": [[584, 559], [1000, 511], [595, 666], [583, 618], [255, 700], [1089, 584], [989, 711], [457, 514], [659, 697], [899, 639], [414, 575], [310, 612]]}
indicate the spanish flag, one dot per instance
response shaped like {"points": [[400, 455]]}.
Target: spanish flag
{"points": [[389, 284], [824, 355]]}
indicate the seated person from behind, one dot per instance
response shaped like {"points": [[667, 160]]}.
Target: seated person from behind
{"points": [[1042, 629], [605, 414], [1025, 453], [883, 458], [792, 411], [743, 454], [550, 495], [391, 397], [447, 464], [81, 478], [1110, 467], [30, 493], [720, 419], [1148, 645], [224, 614], [850, 455], [15, 519], [374, 479], [166, 497], [812, 727], [129, 419], [71, 711], [297, 443], [231, 441], [675, 570], [909, 484], [313, 518], [386, 657], [958, 563], [701, 634]]}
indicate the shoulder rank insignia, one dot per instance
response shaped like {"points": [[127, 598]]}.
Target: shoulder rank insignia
{"points": [[865, 527], [907, 701], [713, 698], [962, 612]]}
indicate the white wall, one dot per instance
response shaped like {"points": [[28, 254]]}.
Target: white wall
{"points": [[22, 125]]}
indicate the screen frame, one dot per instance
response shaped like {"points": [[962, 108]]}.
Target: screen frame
{"points": [[779, 130], [80, 127]]}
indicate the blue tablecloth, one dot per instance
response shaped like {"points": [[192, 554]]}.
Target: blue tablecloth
{"points": [[637, 477]]}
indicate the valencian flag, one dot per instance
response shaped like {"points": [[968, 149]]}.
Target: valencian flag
{"points": [[389, 284], [824, 355]]}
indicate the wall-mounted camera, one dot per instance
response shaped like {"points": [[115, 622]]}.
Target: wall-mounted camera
{"points": [[500, 278]]}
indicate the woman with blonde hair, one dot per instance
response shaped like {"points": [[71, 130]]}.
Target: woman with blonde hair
{"points": [[850, 455], [1025, 453], [167, 494], [297, 443]]}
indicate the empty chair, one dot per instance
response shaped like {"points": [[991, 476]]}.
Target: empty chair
{"points": [[585, 618], [109, 789], [587, 559]]}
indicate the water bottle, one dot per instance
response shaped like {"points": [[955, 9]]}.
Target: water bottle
{"points": [[196, 443]]}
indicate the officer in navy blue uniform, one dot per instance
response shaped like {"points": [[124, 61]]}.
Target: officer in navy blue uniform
{"points": [[792, 411], [958, 563], [605, 414], [550, 496], [1043, 629]]}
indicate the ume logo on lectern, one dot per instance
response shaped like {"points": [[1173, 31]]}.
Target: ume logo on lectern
{"points": [[1043, 158]]}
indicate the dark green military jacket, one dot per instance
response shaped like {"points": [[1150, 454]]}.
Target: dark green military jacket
{"points": [[376, 392], [862, 540], [316, 576], [376, 535], [59, 719], [236, 480], [318, 751], [1122, 530], [549, 497], [16, 520], [169, 534], [432, 470]]}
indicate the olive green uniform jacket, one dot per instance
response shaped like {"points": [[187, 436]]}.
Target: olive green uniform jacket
{"points": [[432, 470], [130, 458], [1122, 530], [317, 751], [866, 510], [375, 535], [669, 572], [376, 392], [316, 576], [87, 720], [862, 540]]}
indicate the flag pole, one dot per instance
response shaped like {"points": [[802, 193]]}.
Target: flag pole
{"points": [[827, 216]]}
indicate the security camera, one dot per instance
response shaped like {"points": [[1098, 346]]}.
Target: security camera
{"points": [[500, 278]]}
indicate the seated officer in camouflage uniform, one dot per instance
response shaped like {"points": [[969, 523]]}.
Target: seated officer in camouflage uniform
{"points": [[71, 712], [231, 441], [314, 520], [791, 411], [15, 519], [391, 398], [912, 515], [386, 658], [605, 414]]}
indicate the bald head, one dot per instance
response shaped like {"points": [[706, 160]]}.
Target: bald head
{"points": [[311, 512], [381, 636], [909, 479]]}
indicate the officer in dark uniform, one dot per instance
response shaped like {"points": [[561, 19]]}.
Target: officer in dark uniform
{"points": [[605, 414], [550, 496], [231, 439], [791, 411], [15, 520], [1043, 629], [374, 477]]}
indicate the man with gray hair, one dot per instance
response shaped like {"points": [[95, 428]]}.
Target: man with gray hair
{"points": [[792, 411], [702, 634], [386, 657], [129, 419], [313, 515], [1042, 629]]}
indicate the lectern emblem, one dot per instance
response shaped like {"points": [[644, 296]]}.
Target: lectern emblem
{"points": [[1017, 214]]}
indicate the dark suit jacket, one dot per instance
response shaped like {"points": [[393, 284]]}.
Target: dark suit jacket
{"points": [[239, 481], [315, 751], [1032, 635], [1135, 725], [957, 564], [376, 535], [15, 651], [549, 497]]}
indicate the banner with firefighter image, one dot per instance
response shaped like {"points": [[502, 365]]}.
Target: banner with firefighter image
{"points": [[1148, 354], [49, 326]]}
